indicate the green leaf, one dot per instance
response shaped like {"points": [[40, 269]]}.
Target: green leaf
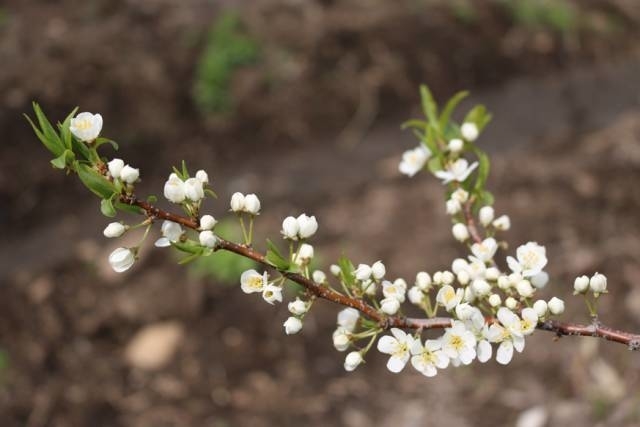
{"points": [[346, 267], [65, 159], [450, 107], [275, 258], [210, 192], [152, 199], [125, 207], [483, 168], [107, 209], [414, 123], [478, 115], [429, 106], [189, 247], [185, 172], [95, 182], [486, 198], [65, 130], [434, 164], [45, 133], [190, 258], [101, 140]]}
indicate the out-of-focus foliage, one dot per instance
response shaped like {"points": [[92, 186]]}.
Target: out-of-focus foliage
{"points": [[555, 15], [227, 48]]}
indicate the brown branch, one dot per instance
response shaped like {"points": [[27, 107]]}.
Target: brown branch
{"points": [[596, 329], [471, 224]]}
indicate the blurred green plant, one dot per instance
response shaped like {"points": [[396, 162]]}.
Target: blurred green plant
{"points": [[554, 15], [227, 49], [223, 266], [464, 11], [4, 17]]}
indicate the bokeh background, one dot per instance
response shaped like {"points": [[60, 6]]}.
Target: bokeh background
{"points": [[300, 102]]}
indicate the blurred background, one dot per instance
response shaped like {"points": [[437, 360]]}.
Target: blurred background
{"points": [[301, 102]]}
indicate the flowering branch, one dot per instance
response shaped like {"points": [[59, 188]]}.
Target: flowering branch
{"points": [[485, 305]]}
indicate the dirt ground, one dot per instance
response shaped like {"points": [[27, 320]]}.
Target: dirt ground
{"points": [[159, 346]]}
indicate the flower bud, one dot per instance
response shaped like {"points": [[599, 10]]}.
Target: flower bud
{"points": [[115, 168], [415, 295], [378, 270], [492, 274], [298, 307], [290, 228], [193, 189], [463, 277], [86, 126], [524, 288], [207, 222], [319, 276], [174, 190], [556, 305], [208, 239], [495, 300], [292, 325], [469, 131], [437, 277], [481, 287], [486, 215], [460, 232], [460, 195], [341, 339], [122, 259], [305, 253], [447, 277], [511, 303], [307, 226], [504, 283], [115, 229], [581, 284], [335, 270], [458, 265], [423, 281], [129, 174], [464, 311], [252, 204], [202, 176], [540, 280], [453, 207], [540, 307], [352, 361], [363, 272], [456, 145], [502, 223], [598, 283], [237, 202], [390, 306]]}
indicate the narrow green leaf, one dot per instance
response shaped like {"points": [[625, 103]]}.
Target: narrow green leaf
{"points": [[101, 140], [429, 106], [51, 145], [434, 164], [107, 209], [189, 247], [450, 107], [275, 258], [347, 268], [65, 159], [65, 130], [414, 123], [47, 129], [483, 168], [190, 258], [128, 208], [478, 115], [185, 171], [95, 182], [210, 192]]}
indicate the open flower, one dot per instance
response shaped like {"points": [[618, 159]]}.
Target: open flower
{"points": [[398, 346], [485, 250], [428, 357], [448, 297], [413, 160], [272, 293], [115, 168], [174, 189], [456, 171], [460, 343], [122, 259], [193, 189], [251, 281], [508, 333], [531, 259], [86, 126], [171, 232]]}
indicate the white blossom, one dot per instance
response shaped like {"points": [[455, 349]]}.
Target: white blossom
{"points": [[348, 318], [414, 160], [464, 311], [114, 229], [335, 270], [202, 176], [207, 238], [581, 284], [252, 204], [529, 321], [341, 339], [237, 202], [129, 174], [494, 300], [541, 308], [469, 131], [460, 232], [485, 250], [378, 270], [423, 281], [540, 280], [398, 346], [272, 293], [460, 195], [396, 290], [502, 223], [304, 255], [363, 272], [458, 342], [511, 303], [598, 283], [458, 265], [481, 287], [292, 325], [352, 361], [307, 226], [319, 276], [556, 306], [508, 334], [491, 274], [524, 288], [298, 307], [486, 215], [115, 168], [453, 207], [86, 126], [531, 259], [207, 222], [174, 190], [290, 228], [390, 306], [455, 145], [171, 232], [448, 297], [193, 189], [251, 281], [122, 259], [415, 295], [456, 171], [425, 359]]}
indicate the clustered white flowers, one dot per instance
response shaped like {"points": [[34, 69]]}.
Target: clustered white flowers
{"points": [[489, 307]]}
